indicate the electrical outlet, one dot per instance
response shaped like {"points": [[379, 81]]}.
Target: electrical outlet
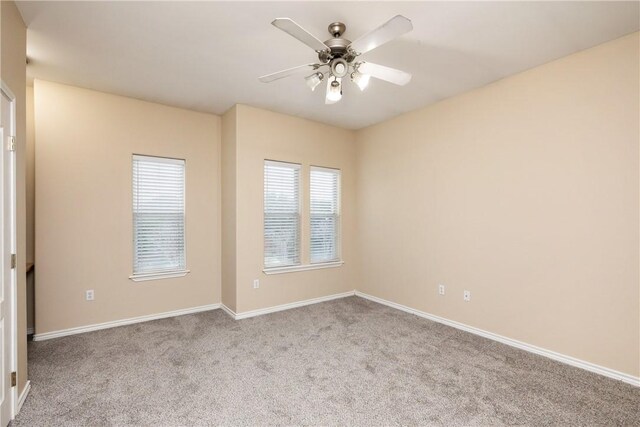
{"points": [[467, 295], [256, 284], [89, 295], [441, 289]]}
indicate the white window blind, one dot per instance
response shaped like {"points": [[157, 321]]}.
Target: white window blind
{"points": [[325, 215], [281, 214], [158, 215]]}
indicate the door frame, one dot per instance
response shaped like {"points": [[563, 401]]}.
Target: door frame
{"points": [[4, 88]]}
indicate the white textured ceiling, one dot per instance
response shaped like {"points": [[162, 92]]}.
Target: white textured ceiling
{"points": [[208, 56]]}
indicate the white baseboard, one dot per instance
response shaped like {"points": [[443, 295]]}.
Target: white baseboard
{"points": [[228, 311], [635, 381], [261, 311], [23, 397], [30, 331], [115, 323]]}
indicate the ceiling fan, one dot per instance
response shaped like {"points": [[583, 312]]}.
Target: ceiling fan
{"points": [[338, 57]]}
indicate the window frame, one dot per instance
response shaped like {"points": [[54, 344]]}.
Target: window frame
{"points": [[273, 268], [304, 235], [169, 273], [338, 235]]}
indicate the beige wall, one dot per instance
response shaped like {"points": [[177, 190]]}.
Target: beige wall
{"points": [[30, 191], [30, 180], [84, 143], [261, 135], [524, 192], [229, 209], [13, 51]]}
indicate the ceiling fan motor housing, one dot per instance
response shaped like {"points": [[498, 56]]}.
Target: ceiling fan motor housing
{"points": [[338, 46]]}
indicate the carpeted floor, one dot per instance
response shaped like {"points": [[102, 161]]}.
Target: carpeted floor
{"points": [[344, 362]]}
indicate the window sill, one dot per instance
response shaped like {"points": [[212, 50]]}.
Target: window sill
{"points": [[294, 268], [158, 276]]}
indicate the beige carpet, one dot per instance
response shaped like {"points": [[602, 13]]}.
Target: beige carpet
{"points": [[344, 362]]}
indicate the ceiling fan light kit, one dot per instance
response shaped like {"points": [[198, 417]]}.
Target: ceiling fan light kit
{"points": [[314, 80], [339, 67], [334, 91], [362, 80], [338, 56]]}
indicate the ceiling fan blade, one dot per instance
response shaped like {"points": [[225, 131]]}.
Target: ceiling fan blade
{"points": [[286, 73], [394, 27], [388, 74], [289, 26]]}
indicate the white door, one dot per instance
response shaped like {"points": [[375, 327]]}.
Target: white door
{"points": [[7, 221]]}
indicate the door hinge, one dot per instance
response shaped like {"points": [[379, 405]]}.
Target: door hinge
{"points": [[13, 379], [13, 261], [12, 143]]}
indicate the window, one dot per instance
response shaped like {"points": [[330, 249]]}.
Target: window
{"points": [[158, 218], [325, 215], [281, 214]]}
